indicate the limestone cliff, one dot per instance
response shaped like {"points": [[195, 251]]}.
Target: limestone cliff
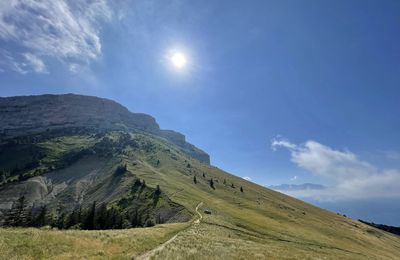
{"points": [[34, 114]]}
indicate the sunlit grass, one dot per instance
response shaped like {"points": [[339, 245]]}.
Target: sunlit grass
{"points": [[31, 243]]}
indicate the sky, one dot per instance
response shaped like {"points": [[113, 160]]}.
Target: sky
{"points": [[277, 92]]}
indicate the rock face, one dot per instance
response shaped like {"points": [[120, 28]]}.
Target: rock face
{"points": [[34, 114]]}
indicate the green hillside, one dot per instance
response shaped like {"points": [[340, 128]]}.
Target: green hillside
{"points": [[255, 223]]}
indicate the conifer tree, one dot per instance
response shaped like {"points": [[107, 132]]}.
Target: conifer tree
{"points": [[16, 216], [72, 219], [2, 176], [134, 219], [101, 217], [195, 180], [212, 184], [41, 219], [158, 190], [89, 223]]}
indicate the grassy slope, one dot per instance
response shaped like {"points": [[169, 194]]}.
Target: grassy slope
{"points": [[258, 223], [30, 243], [261, 222]]}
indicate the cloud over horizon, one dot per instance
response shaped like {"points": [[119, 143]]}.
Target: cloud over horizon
{"points": [[348, 176], [33, 31]]}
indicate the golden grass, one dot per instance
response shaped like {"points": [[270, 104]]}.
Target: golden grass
{"points": [[31, 243]]}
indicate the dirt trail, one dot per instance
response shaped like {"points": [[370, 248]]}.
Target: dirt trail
{"points": [[154, 251]]}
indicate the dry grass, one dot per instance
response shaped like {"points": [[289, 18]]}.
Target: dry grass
{"points": [[30, 243]]}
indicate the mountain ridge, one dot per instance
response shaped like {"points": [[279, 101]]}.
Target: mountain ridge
{"points": [[297, 187], [22, 115]]}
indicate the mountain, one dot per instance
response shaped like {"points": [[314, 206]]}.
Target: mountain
{"points": [[79, 156], [391, 229], [296, 187], [35, 114]]}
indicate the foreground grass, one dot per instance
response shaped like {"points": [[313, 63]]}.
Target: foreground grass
{"points": [[31, 243], [215, 238]]}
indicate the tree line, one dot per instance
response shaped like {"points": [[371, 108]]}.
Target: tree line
{"points": [[90, 218], [96, 216]]}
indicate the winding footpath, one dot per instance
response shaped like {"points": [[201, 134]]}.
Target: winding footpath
{"points": [[154, 251]]}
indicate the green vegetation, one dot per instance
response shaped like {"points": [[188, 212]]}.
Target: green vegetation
{"points": [[142, 175], [134, 210]]}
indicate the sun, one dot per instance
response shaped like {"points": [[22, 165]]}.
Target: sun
{"points": [[178, 60]]}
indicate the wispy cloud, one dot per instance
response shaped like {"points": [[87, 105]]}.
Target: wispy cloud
{"points": [[392, 155], [33, 31], [293, 178], [246, 178], [350, 177], [35, 63]]}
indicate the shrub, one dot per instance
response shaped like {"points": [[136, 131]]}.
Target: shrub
{"points": [[149, 223], [158, 190], [212, 184], [121, 169]]}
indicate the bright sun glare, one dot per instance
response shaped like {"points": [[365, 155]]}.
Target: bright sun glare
{"points": [[178, 59]]}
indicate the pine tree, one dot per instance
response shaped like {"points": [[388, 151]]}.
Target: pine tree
{"points": [[149, 223], [241, 188], [2, 176], [195, 180], [134, 219], [101, 219], [16, 216], [71, 219], [89, 223], [159, 219], [61, 221], [41, 219], [224, 181], [158, 191], [29, 217], [212, 184], [121, 169], [58, 219], [111, 218], [137, 182]]}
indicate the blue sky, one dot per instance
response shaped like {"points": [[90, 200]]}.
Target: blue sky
{"points": [[320, 79]]}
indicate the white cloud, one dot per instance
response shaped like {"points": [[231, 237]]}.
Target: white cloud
{"points": [[67, 31], [293, 178], [246, 178], [36, 63], [351, 177]]}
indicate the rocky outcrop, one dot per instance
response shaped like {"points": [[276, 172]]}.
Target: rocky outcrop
{"points": [[34, 114], [21, 115]]}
